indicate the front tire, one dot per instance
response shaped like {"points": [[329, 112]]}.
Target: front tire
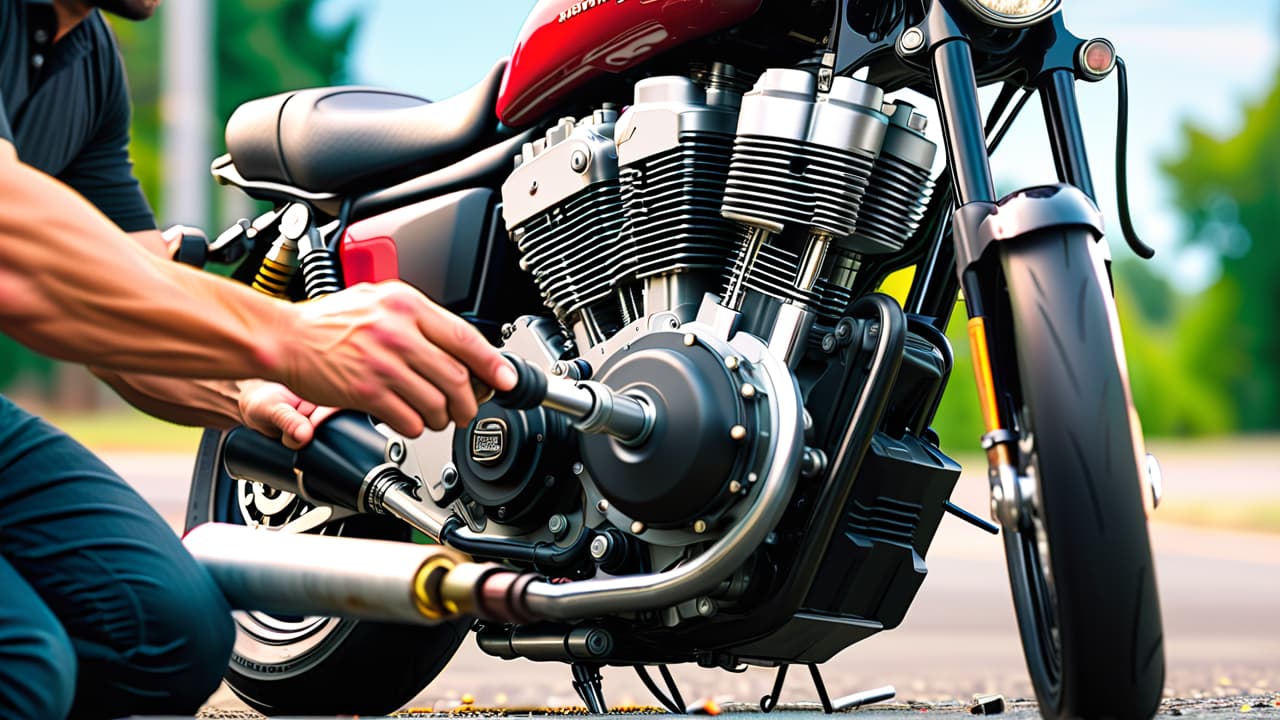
{"points": [[319, 666], [1080, 564]]}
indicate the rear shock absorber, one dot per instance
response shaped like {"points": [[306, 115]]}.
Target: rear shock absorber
{"points": [[299, 245]]}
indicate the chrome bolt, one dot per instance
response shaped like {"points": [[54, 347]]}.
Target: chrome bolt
{"points": [[735, 487], [911, 40], [578, 161], [558, 525], [705, 606], [699, 526], [737, 433], [812, 462], [600, 547], [560, 368], [448, 476], [732, 362], [752, 478], [637, 527], [689, 339], [603, 506], [918, 122], [748, 391], [396, 452], [577, 468], [508, 329]]}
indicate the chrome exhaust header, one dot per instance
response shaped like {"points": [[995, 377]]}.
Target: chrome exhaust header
{"points": [[324, 575]]}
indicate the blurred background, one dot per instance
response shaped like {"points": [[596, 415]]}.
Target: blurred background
{"points": [[1201, 321]]}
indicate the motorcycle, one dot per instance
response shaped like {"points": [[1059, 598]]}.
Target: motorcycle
{"points": [[673, 217]]}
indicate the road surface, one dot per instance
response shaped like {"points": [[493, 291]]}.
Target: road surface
{"points": [[1220, 593]]}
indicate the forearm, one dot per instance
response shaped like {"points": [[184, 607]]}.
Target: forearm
{"points": [[200, 403], [74, 287]]}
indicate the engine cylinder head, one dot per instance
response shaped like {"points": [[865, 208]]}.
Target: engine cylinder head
{"points": [[801, 160], [899, 188], [564, 209]]}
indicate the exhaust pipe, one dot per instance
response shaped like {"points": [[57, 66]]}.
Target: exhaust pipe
{"points": [[346, 577]]}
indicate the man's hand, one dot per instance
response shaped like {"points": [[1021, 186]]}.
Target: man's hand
{"points": [[276, 411], [388, 350]]}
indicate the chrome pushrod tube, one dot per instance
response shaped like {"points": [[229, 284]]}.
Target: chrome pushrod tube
{"points": [[590, 598]]}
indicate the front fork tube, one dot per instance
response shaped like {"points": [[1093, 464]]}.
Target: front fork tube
{"points": [[966, 145]]}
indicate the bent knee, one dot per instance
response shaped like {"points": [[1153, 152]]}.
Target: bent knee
{"points": [[206, 641], [37, 672]]}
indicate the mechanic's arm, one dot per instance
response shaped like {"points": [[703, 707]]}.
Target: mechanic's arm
{"points": [[75, 287], [269, 408]]}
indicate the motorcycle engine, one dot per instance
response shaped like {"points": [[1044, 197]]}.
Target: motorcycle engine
{"points": [[674, 245]]}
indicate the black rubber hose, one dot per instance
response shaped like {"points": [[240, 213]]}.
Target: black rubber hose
{"points": [[547, 558], [1141, 249]]}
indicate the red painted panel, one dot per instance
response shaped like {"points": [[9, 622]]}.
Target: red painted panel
{"points": [[565, 43], [367, 257]]}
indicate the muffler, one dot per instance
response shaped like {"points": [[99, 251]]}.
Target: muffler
{"points": [[345, 577]]}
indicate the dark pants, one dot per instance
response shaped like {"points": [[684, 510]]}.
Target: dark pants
{"points": [[102, 611]]}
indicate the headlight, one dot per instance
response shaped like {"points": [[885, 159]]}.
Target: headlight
{"points": [[1013, 13]]}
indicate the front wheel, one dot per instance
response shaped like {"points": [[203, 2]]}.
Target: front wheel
{"points": [[315, 665], [1080, 564]]}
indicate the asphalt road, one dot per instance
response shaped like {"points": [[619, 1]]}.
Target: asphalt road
{"points": [[1220, 592]]}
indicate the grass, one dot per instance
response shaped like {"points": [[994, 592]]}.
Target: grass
{"points": [[1257, 516], [127, 430]]}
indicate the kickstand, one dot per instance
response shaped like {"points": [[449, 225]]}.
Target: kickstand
{"points": [[821, 687], [587, 683], [770, 701]]}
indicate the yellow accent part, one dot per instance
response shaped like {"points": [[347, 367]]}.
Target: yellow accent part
{"points": [[273, 278], [898, 284], [982, 373], [426, 585]]}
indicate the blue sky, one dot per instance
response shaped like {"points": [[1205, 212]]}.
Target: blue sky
{"points": [[1188, 60]]}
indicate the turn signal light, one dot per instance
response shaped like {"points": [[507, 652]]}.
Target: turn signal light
{"points": [[1096, 58]]}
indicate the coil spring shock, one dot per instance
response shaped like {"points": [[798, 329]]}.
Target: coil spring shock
{"points": [[320, 272]]}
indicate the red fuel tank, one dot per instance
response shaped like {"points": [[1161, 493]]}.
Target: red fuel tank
{"points": [[564, 43]]}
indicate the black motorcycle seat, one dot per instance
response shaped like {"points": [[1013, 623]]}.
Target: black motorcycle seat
{"points": [[339, 138]]}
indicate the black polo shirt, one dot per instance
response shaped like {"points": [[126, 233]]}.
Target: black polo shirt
{"points": [[65, 107]]}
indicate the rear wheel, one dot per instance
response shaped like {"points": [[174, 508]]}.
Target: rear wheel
{"points": [[1080, 564], [314, 665]]}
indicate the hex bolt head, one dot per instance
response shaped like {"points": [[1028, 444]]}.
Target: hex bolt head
{"points": [[829, 343], [637, 527], [735, 487], [560, 368], [600, 547], [578, 161], [603, 506], [689, 339], [508, 329], [699, 526], [558, 525], [737, 433], [731, 362], [502, 513], [577, 468], [396, 452], [748, 391]]}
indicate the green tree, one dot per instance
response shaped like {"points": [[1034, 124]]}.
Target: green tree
{"points": [[1230, 190]]}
